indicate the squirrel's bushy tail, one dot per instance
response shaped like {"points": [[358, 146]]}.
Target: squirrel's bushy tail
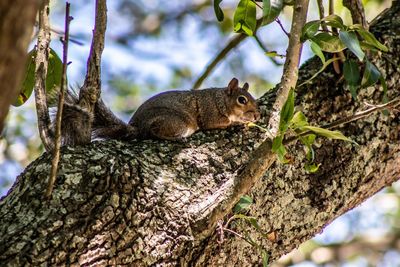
{"points": [[108, 126], [103, 124]]}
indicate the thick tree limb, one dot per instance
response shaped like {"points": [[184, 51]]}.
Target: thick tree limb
{"points": [[17, 18], [141, 203]]}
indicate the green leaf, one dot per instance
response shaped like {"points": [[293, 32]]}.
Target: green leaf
{"points": [[244, 203], [351, 41], [353, 90], [279, 149], [281, 153], [312, 167], [271, 10], [351, 72], [265, 258], [218, 11], [385, 97], [326, 64], [317, 51], [371, 74], [309, 30], [277, 143], [308, 141], [53, 78], [328, 43], [244, 19], [327, 133], [370, 38], [299, 120], [29, 80], [273, 54], [334, 21], [287, 111]]}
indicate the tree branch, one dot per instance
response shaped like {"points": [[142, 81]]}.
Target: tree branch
{"points": [[290, 69], [42, 60], [63, 87], [262, 158], [357, 12], [91, 89], [234, 42]]}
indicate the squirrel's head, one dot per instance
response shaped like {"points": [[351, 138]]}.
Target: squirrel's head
{"points": [[242, 107]]}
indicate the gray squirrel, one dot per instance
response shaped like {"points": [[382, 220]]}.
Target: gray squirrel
{"points": [[170, 115]]}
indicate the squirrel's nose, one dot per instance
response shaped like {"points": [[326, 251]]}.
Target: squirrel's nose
{"points": [[257, 116]]}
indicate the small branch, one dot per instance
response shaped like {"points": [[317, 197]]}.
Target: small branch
{"points": [[357, 12], [331, 7], [283, 29], [222, 54], [42, 59], [290, 70], [91, 89], [322, 15], [359, 115], [63, 87], [261, 45]]}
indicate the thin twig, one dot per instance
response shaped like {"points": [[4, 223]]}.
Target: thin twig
{"points": [[91, 89], [280, 25], [322, 15], [63, 87], [222, 54], [41, 61], [262, 46]]}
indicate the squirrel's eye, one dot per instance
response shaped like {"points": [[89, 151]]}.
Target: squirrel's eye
{"points": [[242, 100]]}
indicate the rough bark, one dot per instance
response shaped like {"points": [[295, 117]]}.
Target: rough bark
{"points": [[141, 203], [17, 18]]}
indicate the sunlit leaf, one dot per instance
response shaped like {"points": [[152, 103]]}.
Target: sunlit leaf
{"points": [[287, 112], [309, 30], [334, 21], [351, 41], [370, 38], [271, 10], [53, 78], [371, 74], [299, 120], [265, 258], [218, 11], [29, 80], [312, 167], [327, 133], [274, 54], [244, 19], [328, 43]]}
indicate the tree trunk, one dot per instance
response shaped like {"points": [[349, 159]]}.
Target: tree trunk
{"points": [[142, 203], [17, 18]]}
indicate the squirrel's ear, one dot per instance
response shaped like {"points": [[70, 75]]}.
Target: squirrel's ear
{"points": [[233, 85], [245, 86]]}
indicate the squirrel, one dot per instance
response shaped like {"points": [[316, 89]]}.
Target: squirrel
{"points": [[173, 115]]}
